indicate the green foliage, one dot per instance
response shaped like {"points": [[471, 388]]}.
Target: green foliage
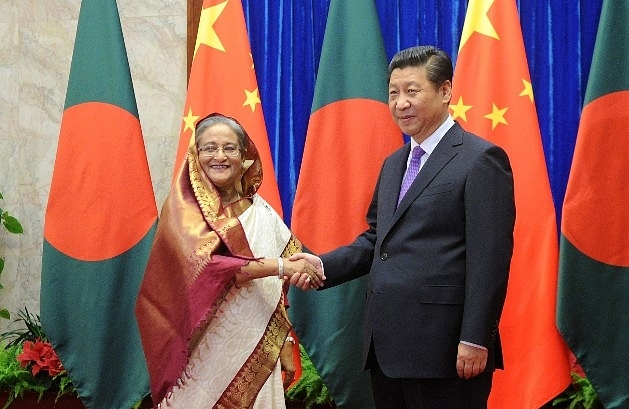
{"points": [[310, 388], [4, 313], [31, 331], [579, 395], [14, 378], [10, 222], [12, 225], [19, 380]]}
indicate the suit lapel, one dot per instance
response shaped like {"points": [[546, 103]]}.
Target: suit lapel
{"points": [[391, 181], [443, 153], [397, 174]]}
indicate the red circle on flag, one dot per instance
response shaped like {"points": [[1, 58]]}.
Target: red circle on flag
{"points": [[101, 200], [596, 210]]}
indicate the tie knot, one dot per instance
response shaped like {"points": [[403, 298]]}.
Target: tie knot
{"points": [[418, 152]]}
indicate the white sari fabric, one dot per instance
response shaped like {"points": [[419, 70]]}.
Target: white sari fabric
{"points": [[236, 332]]}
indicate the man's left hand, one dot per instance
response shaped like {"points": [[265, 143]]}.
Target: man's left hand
{"points": [[470, 361]]}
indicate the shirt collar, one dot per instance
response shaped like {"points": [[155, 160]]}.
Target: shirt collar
{"points": [[429, 144]]}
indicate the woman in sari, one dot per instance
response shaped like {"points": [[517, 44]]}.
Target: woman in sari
{"points": [[211, 309]]}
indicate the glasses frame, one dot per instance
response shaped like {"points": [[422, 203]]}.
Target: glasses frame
{"points": [[203, 151]]}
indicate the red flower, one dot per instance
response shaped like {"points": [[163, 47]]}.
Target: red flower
{"points": [[41, 356]]}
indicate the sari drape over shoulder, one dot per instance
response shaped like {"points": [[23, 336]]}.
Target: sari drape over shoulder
{"points": [[189, 293]]}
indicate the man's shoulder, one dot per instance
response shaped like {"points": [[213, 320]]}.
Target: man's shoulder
{"points": [[473, 139], [467, 135]]}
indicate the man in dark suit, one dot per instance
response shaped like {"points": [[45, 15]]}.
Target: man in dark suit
{"points": [[438, 255]]}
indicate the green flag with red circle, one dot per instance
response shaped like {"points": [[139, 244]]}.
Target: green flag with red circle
{"points": [[100, 220], [593, 292], [350, 133]]}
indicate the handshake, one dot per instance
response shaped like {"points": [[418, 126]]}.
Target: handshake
{"points": [[307, 271]]}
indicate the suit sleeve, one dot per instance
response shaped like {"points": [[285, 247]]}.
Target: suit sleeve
{"points": [[490, 218]]}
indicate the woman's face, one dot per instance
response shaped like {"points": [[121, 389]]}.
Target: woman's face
{"points": [[220, 156]]}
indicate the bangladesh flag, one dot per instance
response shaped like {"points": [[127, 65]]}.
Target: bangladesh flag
{"points": [[100, 220], [349, 134], [593, 300]]}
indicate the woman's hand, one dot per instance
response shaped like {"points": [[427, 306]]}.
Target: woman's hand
{"points": [[305, 282], [300, 271]]}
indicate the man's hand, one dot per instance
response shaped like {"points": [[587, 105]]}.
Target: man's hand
{"points": [[470, 361], [300, 270], [304, 281]]}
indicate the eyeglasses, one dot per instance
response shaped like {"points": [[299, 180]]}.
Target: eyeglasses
{"points": [[211, 151]]}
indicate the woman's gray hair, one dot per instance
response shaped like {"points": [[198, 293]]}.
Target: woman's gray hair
{"points": [[216, 118]]}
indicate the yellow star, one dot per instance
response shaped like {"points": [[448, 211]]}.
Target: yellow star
{"points": [[497, 116], [189, 121], [206, 33], [528, 90], [477, 21], [459, 110], [252, 99]]}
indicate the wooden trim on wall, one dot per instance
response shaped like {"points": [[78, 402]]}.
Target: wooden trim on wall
{"points": [[194, 14]]}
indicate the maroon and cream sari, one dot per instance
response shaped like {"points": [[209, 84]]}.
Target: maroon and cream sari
{"points": [[209, 342]]}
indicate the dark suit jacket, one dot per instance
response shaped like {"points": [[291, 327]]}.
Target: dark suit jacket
{"points": [[439, 262]]}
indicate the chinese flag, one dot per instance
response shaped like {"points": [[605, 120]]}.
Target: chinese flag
{"points": [[223, 79], [493, 97]]}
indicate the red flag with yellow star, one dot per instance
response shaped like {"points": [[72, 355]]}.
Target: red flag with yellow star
{"points": [[493, 97], [223, 79]]}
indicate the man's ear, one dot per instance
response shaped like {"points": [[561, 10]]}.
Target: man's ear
{"points": [[446, 90]]}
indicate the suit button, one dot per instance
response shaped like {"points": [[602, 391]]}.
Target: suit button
{"points": [[384, 256]]}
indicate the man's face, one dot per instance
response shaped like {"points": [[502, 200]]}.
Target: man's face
{"points": [[417, 105]]}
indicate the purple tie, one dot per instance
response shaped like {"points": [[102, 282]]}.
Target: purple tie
{"points": [[411, 171]]}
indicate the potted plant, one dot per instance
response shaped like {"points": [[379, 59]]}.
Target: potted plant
{"points": [[31, 374], [29, 365]]}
